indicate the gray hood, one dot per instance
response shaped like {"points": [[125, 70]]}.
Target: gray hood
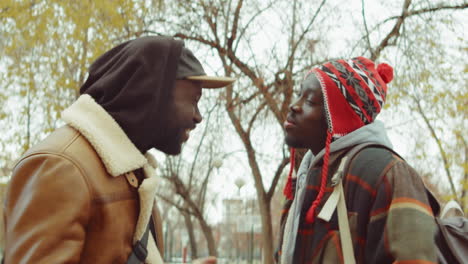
{"points": [[374, 132]]}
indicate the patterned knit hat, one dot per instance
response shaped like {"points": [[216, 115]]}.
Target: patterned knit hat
{"points": [[354, 92]]}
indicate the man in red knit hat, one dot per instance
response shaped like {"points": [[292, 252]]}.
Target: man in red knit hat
{"points": [[389, 214]]}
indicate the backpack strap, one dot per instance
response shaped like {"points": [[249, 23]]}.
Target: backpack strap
{"points": [[140, 251], [337, 201]]}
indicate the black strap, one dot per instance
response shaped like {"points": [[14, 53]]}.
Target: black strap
{"points": [[140, 251], [153, 231]]}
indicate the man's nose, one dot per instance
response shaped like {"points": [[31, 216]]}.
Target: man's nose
{"points": [[197, 118], [294, 106]]}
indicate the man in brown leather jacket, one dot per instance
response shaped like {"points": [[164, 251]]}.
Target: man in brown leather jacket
{"points": [[85, 194]]}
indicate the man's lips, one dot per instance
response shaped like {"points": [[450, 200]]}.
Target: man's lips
{"points": [[187, 133], [288, 124]]}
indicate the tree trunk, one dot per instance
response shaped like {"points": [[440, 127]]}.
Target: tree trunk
{"points": [[208, 233], [464, 197], [267, 230], [191, 233]]}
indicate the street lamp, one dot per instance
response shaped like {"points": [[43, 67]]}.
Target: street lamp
{"points": [[239, 182], [217, 163]]}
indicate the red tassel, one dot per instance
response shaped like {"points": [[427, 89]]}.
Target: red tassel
{"points": [[287, 191], [310, 216]]}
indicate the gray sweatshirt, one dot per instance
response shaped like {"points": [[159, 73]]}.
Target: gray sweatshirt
{"points": [[374, 132]]}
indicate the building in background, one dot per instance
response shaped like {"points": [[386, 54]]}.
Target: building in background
{"points": [[240, 230]]}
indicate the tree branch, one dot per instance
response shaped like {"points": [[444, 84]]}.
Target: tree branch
{"points": [[200, 143], [405, 15], [418, 12], [277, 176], [204, 185], [247, 144], [172, 203], [254, 117], [427, 10], [209, 19], [464, 196], [439, 145], [182, 191], [200, 39], [235, 25], [247, 100], [394, 33], [244, 29], [369, 47], [293, 35], [301, 37], [242, 66]]}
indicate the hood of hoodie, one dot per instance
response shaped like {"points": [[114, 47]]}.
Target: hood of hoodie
{"points": [[374, 132], [133, 82]]}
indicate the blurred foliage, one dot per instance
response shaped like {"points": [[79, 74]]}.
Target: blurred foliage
{"points": [[430, 87], [46, 48]]}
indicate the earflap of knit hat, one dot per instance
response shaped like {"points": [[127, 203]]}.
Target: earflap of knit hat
{"points": [[341, 118], [288, 188]]}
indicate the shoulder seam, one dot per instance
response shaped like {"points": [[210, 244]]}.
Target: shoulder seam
{"points": [[71, 141], [69, 159], [391, 163], [389, 166]]}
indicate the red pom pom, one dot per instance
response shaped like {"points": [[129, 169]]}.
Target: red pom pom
{"points": [[385, 71]]}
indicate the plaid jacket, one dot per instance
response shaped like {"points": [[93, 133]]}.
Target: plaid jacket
{"points": [[390, 217]]}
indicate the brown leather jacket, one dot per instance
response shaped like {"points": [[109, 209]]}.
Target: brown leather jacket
{"points": [[74, 198]]}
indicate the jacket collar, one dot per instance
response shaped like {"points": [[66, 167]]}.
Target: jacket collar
{"points": [[115, 149]]}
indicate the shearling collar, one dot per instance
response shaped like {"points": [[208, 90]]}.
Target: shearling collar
{"points": [[119, 156], [115, 149]]}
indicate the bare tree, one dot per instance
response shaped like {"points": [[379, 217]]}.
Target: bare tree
{"points": [[225, 28], [264, 90], [236, 32], [391, 39], [189, 181], [46, 48], [419, 49]]}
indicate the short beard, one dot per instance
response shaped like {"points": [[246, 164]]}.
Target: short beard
{"points": [[291, 142], [171, 144]]}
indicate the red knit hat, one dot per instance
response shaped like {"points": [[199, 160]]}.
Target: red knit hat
{"points": [[354, 92]]}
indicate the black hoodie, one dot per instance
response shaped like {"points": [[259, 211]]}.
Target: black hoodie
{"points": [[133, 82]]}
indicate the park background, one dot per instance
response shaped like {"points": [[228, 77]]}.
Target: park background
{"points": [[223, 195]]}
